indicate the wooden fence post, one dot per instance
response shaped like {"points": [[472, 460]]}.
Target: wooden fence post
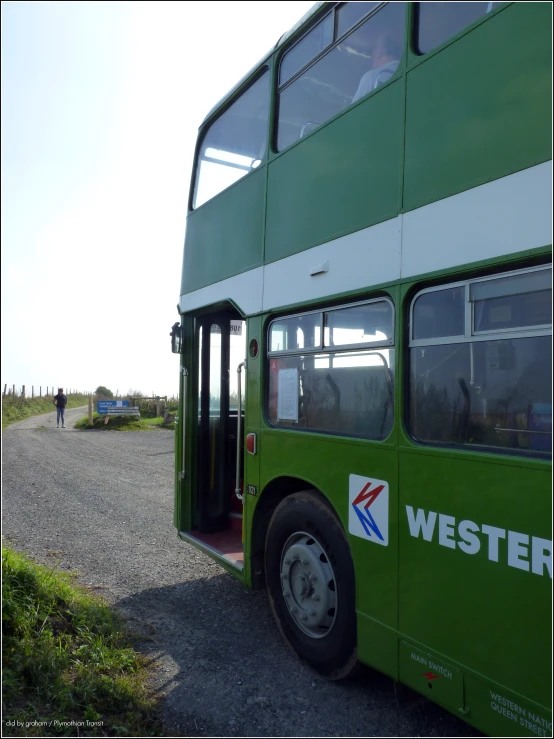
{"points": [[13, 391], [23, 392], [90, 410], [32, 391], [5, 389]]}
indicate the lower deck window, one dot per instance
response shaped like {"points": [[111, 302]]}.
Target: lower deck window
{"points": [[490, 391], [346, 393]]}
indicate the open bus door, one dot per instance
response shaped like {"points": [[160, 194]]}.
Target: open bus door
{"points": [[220, 345]]}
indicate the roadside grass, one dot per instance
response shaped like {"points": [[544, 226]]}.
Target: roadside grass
{"points": [[159, 423], [122, 423], [69, 667], [16, 408]]}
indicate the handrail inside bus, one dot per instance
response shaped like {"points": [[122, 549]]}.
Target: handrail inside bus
{"points": [[239, 414]]}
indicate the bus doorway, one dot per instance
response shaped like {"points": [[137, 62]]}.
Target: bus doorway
{"points": [[217, 511]]}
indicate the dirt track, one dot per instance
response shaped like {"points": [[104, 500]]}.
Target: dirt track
{"points": [[101, 503]]}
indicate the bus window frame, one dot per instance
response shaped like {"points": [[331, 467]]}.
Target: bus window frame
{"points": [[388, 441], [282, 55], [415, 57], [278, 89], [278, 86], [469, 334], [471, 338], [206, 126], [342, 347]]}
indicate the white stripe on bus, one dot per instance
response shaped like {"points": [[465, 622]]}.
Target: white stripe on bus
{"points": [[502, 217], [493, 220]]}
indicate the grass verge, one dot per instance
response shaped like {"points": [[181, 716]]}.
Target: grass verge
{"points": [[122, 423], [69, 665], [17, 408], [159, 423]]}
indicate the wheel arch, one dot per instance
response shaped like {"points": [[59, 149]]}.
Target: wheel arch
{"points": [[274, 492]]}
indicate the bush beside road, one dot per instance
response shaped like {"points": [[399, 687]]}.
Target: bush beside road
{"points": [[122, 423]]}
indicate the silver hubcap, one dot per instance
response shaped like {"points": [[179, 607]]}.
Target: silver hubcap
{"points": [[309, 585]]}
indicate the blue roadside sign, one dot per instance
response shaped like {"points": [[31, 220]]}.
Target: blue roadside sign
{"points": [[107, 406]]}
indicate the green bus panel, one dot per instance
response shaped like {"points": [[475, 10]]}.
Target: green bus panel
{"points": [[253, 372], [326, 463], [448, 597], [225, 236], [475, 113], [184, 424], [377, 646], [342, 178], [500, 712], [252, 406], [433, 677]]}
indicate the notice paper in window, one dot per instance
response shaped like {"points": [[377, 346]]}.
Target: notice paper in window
{"points": [[287, 395]]}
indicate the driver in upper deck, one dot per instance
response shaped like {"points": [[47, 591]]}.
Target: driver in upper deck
{"points": [[385, 59]]}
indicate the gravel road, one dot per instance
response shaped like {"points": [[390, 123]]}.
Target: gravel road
{"points": [[101, 503]]}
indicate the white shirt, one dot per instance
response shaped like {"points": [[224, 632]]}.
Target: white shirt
{"points": [[379, 75]]}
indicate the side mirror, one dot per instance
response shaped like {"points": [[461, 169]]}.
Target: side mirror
{"points": [[176, 338]]}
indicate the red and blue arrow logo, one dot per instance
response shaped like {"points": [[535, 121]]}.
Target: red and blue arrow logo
{"points": [[361, 504]]}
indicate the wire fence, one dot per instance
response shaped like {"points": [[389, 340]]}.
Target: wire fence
{"points": [[38, 391]]}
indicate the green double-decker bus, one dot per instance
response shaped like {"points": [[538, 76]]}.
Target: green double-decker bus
{"points": [[365, 425]]}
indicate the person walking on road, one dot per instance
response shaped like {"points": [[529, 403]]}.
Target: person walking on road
{"points": [[60, 401]]}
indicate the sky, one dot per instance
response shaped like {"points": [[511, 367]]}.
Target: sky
{"points": [[101, 103]]}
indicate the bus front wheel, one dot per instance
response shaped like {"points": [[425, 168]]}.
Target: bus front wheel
{"points": [[310, 578]]}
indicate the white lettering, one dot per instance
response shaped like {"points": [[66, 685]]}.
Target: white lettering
{"points": [[470, 543], [446, 531], [541, 721], [440, 669], [518, 547], [419, 523], [506, 702], [503, 711], [494, 535], [532, 727], [422, 523], [417, 658], [541, 554]]}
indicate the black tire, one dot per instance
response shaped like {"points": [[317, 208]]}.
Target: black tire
{"points": [[305, 533]]}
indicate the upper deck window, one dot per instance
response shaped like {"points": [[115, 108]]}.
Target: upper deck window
{"points": [[363, 57], [437, 22], [234, 144], [309, 46], [349, 14]]}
